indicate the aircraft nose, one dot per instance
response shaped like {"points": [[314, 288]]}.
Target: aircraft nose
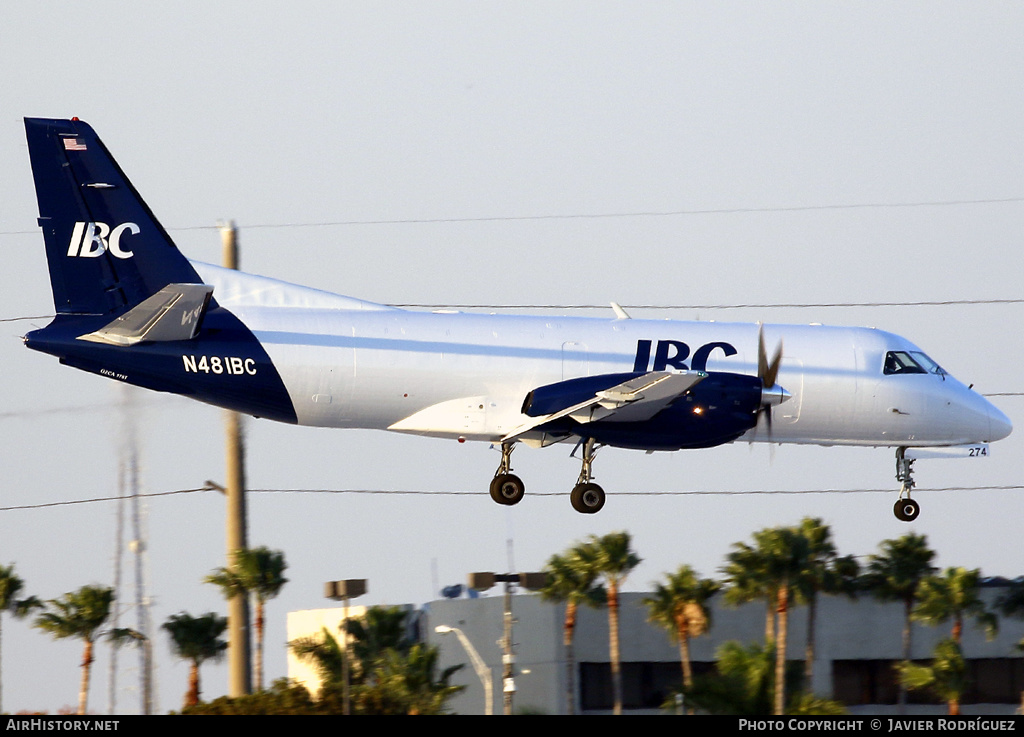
{"points": [[999, 424]]}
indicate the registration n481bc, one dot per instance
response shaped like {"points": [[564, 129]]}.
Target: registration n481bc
{"points": [[230, 365]]}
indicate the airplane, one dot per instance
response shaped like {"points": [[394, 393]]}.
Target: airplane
{"points": [[131, 307]]}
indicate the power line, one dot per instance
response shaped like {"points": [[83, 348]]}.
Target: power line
{"points": [[412, 492], [634, 214], [601, 215], [73, 502]]}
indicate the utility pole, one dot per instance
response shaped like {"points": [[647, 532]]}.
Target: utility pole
{"points": [[239, 670], [508, 658], [344, 591], [481, 581]]}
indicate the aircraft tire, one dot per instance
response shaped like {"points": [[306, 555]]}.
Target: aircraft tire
{"points": [[507, 489], [587, 498], [906, 510]]}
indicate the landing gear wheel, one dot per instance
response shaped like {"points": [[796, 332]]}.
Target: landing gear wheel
{"points": [[906, 510], [507, 488], [587, 498]]}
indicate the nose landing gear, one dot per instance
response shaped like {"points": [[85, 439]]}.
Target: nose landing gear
{"points": [[905, 509]]}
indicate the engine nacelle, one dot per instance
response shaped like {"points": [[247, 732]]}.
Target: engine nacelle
{"points": [[717, 410]]}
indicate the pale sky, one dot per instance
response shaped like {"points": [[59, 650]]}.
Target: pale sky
{"points": [[571, 153]]}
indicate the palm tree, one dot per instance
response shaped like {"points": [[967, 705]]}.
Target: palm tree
{"points": [[81, 614], [680, 604], [380, 629], [946, 676], [894, 575], [259, 573], [787, 554], [1011, 603], [406, 683], [393, 673], [774, 565], [613, 560], [572, 578], [741, 684], [826, 573], [747, 580], [325, 653], [196, 639], [10, 586], [954, 595]]}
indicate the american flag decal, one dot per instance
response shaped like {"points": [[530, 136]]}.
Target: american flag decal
{"points": [[73, 143]]}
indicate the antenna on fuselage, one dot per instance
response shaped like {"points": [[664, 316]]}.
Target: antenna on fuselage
{"points": [[619, 312]]}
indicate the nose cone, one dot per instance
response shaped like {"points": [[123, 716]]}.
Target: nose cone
{"points": [[999, 424], [971, 417]]}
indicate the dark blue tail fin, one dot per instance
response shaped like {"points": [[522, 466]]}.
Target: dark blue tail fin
{"points": [[106, 251]]}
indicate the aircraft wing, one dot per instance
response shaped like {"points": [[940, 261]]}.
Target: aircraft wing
{"points": [[634, 400]]}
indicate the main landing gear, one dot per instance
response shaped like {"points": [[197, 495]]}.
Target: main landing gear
{"points": [[508, 489], [587, 497], [905, 508]]}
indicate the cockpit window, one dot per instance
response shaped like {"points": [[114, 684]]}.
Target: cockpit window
{"points": [[910, 362]]}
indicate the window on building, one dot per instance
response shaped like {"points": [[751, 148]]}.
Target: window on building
{"points": [[644, 685], [992, 681]]}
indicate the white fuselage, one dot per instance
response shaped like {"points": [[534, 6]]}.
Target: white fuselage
{"points": [[347, 363]]}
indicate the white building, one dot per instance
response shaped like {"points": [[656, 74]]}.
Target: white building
{"points": [[856, 645]]}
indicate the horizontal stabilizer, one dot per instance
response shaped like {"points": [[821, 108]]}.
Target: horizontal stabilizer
{"points": [[635, 400], [174, 313]]}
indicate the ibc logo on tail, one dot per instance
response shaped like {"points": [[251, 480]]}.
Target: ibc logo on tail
{"points": [[89, 240]]}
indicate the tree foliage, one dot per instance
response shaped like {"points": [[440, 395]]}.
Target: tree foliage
{"points": [[894, 574], [954, 595], [772, 567], [283, 697], [945, 676], [613, 558], [80, 615], [391, 673], [572, 577], [743, 684], [258, 573], [196, 639], [11, 586], [681, 604]]}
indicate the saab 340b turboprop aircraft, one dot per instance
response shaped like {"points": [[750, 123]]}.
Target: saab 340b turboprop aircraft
{"points": [[131, 307]]}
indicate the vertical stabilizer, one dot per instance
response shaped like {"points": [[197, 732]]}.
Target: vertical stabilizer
{"points": [[105, 249]]}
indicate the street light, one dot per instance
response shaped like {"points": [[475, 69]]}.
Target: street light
{"points": [[482, 671], [343, 591], [481, 582]]}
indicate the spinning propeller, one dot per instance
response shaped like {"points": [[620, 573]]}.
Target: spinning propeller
{"points": [[768, 371]]}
